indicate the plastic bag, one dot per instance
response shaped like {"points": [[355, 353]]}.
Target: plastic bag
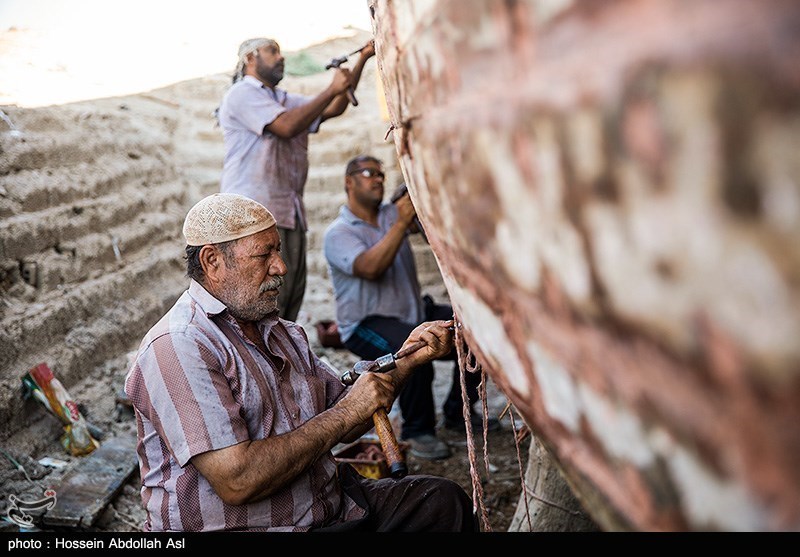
{"points": [[44, 387]]}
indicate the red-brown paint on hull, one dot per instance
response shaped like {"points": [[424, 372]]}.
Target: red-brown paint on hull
{"points": [[612, 192]]}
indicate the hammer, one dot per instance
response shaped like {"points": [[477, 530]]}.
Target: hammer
{"points": [[383, 427], [335, 63]]}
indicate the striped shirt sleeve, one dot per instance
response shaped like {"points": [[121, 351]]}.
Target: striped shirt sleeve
{"points": [[191, 405]]}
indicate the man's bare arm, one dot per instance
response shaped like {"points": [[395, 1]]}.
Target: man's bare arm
{"points": [[296, 120], [372, 263], [340, 103], [253, 470]]}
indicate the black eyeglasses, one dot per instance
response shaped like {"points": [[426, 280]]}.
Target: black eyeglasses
{"points": [[368, 173]]}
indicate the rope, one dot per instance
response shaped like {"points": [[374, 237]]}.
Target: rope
{"points": [[519, 462], [467, 362], [485, 407]]}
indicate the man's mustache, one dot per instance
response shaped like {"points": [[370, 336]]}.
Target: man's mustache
{"points": [[273, 284]]}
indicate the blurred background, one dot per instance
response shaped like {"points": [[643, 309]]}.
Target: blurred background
{"points": [[59, 51]]}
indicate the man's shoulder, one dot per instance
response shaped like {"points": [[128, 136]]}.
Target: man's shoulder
{"points": [[340, 235], [170, 347], [339, 223], [184, 321], [234, 90], [243, 90]]}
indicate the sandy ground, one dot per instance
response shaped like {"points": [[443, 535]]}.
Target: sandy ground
{"points": [[22, 472]]}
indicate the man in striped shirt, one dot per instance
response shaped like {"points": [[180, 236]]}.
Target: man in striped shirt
{"points": [[237, 417]]}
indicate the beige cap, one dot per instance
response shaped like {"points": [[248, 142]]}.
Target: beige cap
{"points": [[223, 217]]}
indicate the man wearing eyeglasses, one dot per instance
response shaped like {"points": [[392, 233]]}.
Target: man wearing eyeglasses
{"points": [[266, 146], [378, 300]]}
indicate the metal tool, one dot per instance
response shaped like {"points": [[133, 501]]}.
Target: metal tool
{"points": [[335, 63], [399, 193], [383, 427]]}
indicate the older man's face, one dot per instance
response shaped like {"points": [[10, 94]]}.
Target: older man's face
{"points": [[252, 279]]}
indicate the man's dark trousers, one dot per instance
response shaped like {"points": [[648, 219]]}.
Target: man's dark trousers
{"points": [[377, 336]]}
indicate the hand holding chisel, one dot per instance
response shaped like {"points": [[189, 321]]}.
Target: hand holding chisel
{"points": [[383, 427], [367, 50]]}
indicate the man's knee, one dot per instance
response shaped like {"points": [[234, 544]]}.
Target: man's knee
{"points": [[453, 505]]}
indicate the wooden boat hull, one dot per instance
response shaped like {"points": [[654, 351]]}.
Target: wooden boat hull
{"points": [[612, 193]]}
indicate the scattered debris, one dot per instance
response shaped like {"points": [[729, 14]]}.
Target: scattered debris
{"points": [[95, 431], [17, 465], [122, 398], [51, 462], [328, 334], [115, 247], [85, 490], [29, 271], [13, 130]]}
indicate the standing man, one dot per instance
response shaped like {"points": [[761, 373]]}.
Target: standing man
{"points": [[266, 146], [378, 300], [236, 416]]}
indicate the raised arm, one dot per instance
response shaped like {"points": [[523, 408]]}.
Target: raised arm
{"points": [[373, 263], [340, 103], [294, 121]]}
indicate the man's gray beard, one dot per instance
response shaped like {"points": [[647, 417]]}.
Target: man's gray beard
{"points": [[245, 310]]}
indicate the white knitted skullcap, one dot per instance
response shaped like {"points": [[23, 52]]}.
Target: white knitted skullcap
{"points": [[223, 217]]}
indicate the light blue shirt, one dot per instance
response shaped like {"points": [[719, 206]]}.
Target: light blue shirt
{"points": [[395, 294]]}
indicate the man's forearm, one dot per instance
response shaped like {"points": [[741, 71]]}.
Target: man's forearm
{"points": [[279, 460], [294, 121], [358, 68], [253, 470], [372, 263], [355, 433], [339, 104]]}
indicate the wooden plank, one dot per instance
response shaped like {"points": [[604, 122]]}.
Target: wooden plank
{"points": [[86, 489]]}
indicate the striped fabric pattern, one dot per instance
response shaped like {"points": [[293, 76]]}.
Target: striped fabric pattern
{"points": [[198, 384]]}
